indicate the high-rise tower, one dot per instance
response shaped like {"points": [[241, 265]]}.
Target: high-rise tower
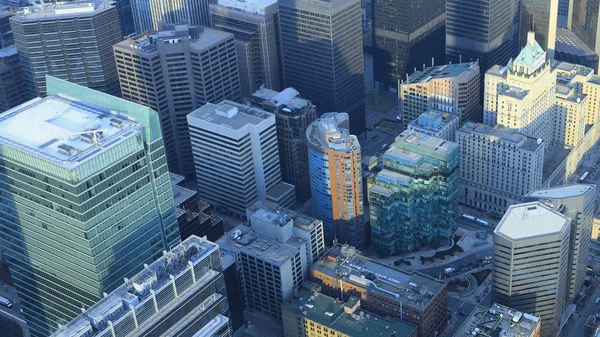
{"points": [[85, 199]]}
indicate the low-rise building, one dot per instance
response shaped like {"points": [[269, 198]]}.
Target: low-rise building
{"points": [[499, 321], [312, 314], [383, 290], [436, 123]]}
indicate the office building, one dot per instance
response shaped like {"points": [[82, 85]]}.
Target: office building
{"points": [[84, 203], [6, 35], [499, 166], [175, 71], [570, 48], [452, 88], [311, 313], [271, 261], [522, 94], [583, 82], [293, 115], [193, 215], [147, 14], [563, 13], [323, 53], [414, 201], [126, 17], [487, 31], [181, 294], [236, 159], [578, 202], [336, 179], [68, 40], [437, 124], [12, 83], [255, 25], [383, 290], [499, 320], [541, 17], [535, 238], [304, 227], [570, 112], [583, 21], [407, 35]]}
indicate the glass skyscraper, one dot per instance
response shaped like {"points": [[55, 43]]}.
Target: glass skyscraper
{"points": [[484, 30], [541, 17], [85, 199], [415, 197]]}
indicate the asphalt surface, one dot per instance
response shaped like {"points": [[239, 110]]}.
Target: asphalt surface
{"points": [[576, 324]]}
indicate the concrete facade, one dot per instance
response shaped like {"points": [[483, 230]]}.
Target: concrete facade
{"points": [[174, 71]]}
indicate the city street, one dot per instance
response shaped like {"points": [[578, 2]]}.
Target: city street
{"points": [[575, 327]]}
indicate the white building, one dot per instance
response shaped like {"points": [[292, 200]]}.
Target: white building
{"points": [[272, 262], [499, 166], [530, 269], [236, 157]]}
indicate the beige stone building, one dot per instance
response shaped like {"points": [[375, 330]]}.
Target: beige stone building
{"points": [[452, 88]]}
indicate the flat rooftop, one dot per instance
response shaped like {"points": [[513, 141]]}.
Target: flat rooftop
{"points": [[230, 114], [260, 7], [562, 192], [200, 38], [445, 71], [428, 142], [62, 10], [260, 246], [300, 220], [514, 92], [530, 219], [410, 288], [181, 194], [497, 321], [63, 131], [288, 97], [567, 42], [499, 132], [343, 317]]}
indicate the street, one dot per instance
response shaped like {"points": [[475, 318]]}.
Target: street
{"points": [[576, 324]]}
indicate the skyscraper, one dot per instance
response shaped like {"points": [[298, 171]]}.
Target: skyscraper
{"points": [[12, 84], [293, 115], [522, 94], [6, 35], [578, 202], [323, 53], [415, 197], [451, 88], [147, 14], [69, 40], [126, 17], [84, 203], [534, 238], [583, 21], [336, 179], [408, 34], [175, 71], [487, 31], [236, 158], [255, 25], [541, 17]]}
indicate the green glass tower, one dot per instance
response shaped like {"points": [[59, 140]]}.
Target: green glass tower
{"points": [[415, 197], [85, 199]]}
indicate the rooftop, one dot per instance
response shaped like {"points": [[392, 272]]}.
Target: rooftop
{"points": [[344, 317], [289, 97], [425, 141], [505, 134], [562, 192], [62, 10], [445, 71], [230, 114], [64, 131], [331, 132], [527, 220], [260, 7], [181, 194], [136, 291], [567, 42], [411, 288], [531, 57], [243, 239], [200, 38], [498, 321], [300, 220]]}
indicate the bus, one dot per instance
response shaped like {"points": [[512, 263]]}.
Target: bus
{"points": [[482, 222], [468, 217], [5, 302], [583, 176]]}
